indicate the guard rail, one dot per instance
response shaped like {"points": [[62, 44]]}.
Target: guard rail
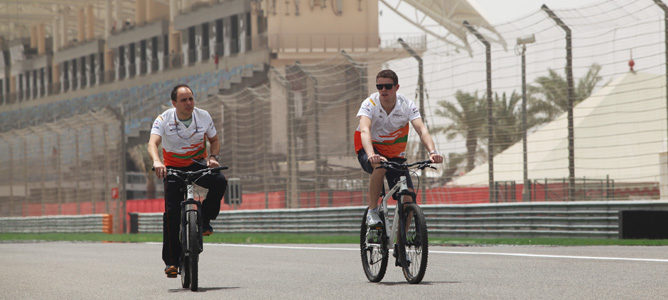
{"points": [[100, 223], [590, 219]]}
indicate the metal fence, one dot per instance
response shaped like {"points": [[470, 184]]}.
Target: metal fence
{"points": [[65, 167]]}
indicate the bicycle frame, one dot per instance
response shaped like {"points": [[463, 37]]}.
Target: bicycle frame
{"points": [[391, 230]]}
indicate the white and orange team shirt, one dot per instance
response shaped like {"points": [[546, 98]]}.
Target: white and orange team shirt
{"points": [[180, 145], [389, 133]]}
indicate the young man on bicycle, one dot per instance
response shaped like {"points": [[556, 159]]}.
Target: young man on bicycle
{"points": [[382, 135], [183, 131]]}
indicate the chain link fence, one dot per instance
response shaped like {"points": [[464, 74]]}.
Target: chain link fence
{"points": [[67, 167]]}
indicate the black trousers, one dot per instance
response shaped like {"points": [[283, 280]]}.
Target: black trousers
{"points": [[175, 192]]}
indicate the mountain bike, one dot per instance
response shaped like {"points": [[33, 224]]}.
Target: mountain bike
{"points": [[190, 232], [407, 234]]}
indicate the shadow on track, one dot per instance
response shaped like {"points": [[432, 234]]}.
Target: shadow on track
{"points": [[422, 283], [203, 289]]}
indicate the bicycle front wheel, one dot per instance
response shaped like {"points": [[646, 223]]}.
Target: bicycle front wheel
{"points": [[193, 247], [185, 272], [415, 242], [184, 268], [373, 246]]}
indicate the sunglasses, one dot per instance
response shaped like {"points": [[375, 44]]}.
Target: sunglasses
{"points": [[387, 86]]}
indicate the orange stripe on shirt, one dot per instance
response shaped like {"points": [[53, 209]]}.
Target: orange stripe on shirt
{"points": [[388, 148], [182, 159]]}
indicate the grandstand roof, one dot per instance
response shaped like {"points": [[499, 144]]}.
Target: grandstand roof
{"points": [[448, 14], [620, 132]]}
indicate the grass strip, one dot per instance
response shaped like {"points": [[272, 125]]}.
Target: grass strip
{"points": [[288, 238]]}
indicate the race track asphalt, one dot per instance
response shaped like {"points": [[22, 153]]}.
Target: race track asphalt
{"points": [[65, 270]]}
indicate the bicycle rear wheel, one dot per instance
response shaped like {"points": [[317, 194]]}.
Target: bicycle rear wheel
{"points": [[373, 248], [415, 243], [193, 247]]}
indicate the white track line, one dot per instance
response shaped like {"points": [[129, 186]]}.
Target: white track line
{"points": [[553, 256], [454, 252]]}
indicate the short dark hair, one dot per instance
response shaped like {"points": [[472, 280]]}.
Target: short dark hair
{"points": [[388, 74], [176, 89]]}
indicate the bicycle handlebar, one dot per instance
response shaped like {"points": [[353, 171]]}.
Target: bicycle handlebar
{"points": [[189, 175], [402, 167]]}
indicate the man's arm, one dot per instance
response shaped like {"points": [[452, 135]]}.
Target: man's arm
{"points": [[214, 150], [426, 139], [365, 135], [153, 143]]}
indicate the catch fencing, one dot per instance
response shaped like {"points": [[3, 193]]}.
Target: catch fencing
{"points": [[70, 166]]}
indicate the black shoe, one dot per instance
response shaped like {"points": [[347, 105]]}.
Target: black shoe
{"points": [[207, 230], [171, 271]]}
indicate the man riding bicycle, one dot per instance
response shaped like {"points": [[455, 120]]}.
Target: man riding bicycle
{"points": [[382, 135], [183, 131]]}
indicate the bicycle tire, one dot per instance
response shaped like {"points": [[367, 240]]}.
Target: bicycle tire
{"points": [[185, 273], [374, 256], [185, 262], [414, 243], [193, 245]]}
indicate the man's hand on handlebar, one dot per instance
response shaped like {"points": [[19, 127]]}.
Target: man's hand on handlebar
{"points": [[376, 158], [436, 158], [160, 169], [212, 162]]}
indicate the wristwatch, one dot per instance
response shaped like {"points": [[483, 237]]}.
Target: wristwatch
{"points": [[433, 152], [214, 156]]}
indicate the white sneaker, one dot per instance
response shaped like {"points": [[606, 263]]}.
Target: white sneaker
{"points": [[372, 219]]}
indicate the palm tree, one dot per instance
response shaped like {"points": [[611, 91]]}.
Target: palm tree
{"points": [[550, 95], [508, 121], [468, 121]]}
